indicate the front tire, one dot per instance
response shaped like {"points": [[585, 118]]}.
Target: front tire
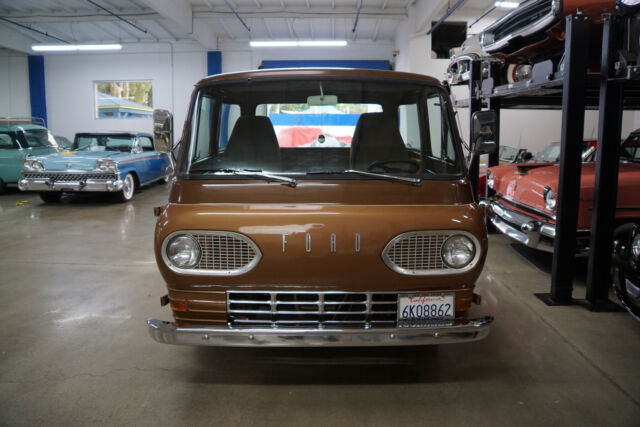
{"points": [[51, 196], [627, 291], [128, 189]]}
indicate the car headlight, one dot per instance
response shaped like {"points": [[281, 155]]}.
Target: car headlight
{"points": [[107, 166], [490, 182], [549, 198], [486, 38], [184, 251], [31, 165], [458, 251], [635, 247]]}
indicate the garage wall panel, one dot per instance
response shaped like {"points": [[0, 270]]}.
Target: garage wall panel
{"points": [[14, 84], [70, 87]]}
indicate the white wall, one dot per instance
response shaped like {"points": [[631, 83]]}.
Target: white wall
{"points": [[70, 86], [70, 78], [14, 84]]}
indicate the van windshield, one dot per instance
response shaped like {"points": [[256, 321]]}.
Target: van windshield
{"points": [[315, 127]]}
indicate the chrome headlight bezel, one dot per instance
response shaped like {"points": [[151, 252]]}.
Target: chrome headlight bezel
{"points": [[194, 255], [32, 165], [550, 199], [445, 269], [490, 179], [635, 248], [457, 242], [107, 165]]}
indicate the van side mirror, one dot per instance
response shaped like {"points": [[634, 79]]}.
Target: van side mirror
{"points": [[483, 132], [162, 131]]}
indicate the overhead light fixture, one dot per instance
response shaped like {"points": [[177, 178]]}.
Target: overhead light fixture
{"points": [[506, 4], [292, 43], [74, 47]]}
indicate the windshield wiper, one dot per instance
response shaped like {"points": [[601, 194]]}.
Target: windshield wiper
{"points": [[414, 181], [258, 173]]}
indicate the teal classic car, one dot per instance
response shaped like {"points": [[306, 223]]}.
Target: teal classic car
{"points": [[19, 138], [114, 162]]}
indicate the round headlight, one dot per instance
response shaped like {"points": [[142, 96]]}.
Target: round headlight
{"points": [[32, 165], [458, 251], [549, 198], [490, 182], [635, 247], [183, 251]]}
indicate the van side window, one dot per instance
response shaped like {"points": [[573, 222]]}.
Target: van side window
{"points": [[203, 136]]}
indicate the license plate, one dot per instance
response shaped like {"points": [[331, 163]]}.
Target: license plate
{"points": [[415, 310]]}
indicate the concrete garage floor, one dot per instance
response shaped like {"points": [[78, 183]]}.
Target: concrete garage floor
{"points": [[79, 279]]}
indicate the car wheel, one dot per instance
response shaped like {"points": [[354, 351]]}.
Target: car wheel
{"points": [[627, 291], [167, 175], [51, 196], [128, 188]]}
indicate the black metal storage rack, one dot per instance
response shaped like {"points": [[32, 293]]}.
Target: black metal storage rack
{"points": [[574, 90]]}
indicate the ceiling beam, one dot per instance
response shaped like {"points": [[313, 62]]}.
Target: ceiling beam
{"points": [[177, 11]]}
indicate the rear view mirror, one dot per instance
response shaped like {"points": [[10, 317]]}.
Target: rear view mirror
{"points": [[162, 131], [322, 100], [483, 132]]}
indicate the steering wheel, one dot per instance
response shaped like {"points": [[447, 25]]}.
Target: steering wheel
{"points": [[387, 165]]}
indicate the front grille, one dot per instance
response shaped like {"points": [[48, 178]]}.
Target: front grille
{"points": [[524, 16], [67, 177], [225, 251], [416, 252], [315, 310]]}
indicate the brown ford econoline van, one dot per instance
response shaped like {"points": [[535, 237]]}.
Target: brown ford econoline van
{"points": [[319, 207]]}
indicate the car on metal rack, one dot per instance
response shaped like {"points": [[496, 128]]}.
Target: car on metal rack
{"points": [[524, 204], [458, 70], [20, 137], [112, 162], [535, 32], [373, 242]]}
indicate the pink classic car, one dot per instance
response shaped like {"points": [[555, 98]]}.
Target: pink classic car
{"points": [[524, 206]]}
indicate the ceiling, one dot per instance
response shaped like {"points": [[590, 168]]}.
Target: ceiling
{"points": [[80, 21]]}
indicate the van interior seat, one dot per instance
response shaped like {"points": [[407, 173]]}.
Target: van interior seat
{"points": [[253, 144], [377, 138]]}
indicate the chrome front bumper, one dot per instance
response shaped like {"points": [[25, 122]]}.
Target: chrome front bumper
{"points": [[43, 184], [169, 333], [525, 229]]}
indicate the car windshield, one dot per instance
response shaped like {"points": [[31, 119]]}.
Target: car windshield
{"points": [[39, 138], [337, 127], [508, 154], [631, 148], [122, 143], [551, 153]]}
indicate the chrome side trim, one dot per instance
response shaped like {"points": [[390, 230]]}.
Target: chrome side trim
{"points": [[211, 272], [431, 272], [168, 333]]}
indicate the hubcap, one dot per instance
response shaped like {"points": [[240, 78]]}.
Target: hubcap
{"points": [[128, 187]]}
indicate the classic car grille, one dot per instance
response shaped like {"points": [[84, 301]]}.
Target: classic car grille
{"points": [[312, 309], [523, 17], [66, 177], [416, 251], [226, 252]]}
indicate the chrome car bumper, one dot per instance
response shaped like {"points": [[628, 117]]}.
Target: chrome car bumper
{"points": [[169, 333], [43, 184], [525, 229]]}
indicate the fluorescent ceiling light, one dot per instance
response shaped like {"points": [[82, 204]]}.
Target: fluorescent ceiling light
{"points": [[311, 43], [506, 4], [74, 47]]}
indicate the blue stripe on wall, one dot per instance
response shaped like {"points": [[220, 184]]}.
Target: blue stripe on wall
{"points": [[314, 119], [214, 62], [36, 87], [370, 64]]}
